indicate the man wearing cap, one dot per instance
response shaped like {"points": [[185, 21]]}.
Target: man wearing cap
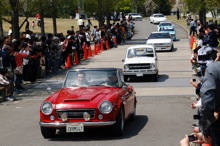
{"points": [[112, 79]]}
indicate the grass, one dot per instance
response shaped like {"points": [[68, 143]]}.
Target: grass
{"points": [[62, 25], [65, 24], [181, 21]]}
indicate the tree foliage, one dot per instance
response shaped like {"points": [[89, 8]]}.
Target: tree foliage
{"points": [[164, 6], [124, 6]]}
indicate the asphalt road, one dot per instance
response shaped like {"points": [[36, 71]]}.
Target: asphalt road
{"points": [[164, 115]]}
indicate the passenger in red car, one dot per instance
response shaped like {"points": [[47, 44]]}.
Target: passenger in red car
{"points": [[112, 79], [81, 79]]}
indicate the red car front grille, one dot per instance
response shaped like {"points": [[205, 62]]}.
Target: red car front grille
{"points": [[76, 114]]}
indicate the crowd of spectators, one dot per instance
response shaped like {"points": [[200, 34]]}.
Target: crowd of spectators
{"points": [[206, 65], [25, 58]]}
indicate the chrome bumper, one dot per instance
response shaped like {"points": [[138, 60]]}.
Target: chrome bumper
{"points": [[86, 124], [134, 73]]}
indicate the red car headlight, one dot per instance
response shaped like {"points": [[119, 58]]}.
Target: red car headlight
{"points": [[47, 108], [105, 107]]}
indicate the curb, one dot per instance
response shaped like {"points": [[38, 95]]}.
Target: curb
{"points": [[182, 27]]}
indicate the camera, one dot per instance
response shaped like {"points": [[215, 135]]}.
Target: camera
{"points": [[196, 117], [194, 80], [192, 138]]}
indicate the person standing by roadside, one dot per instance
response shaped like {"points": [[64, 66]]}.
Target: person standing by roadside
{"points": [[192, 25], [33, 25], [212, 36], [10, 31], [7, 63], [19, 56], [178, 14], [27, 26], [94, 33], [72, 32], [80, 23], [88, 26], [210, 94]]}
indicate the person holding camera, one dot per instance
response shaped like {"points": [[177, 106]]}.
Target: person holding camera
{"points": [[210, 94]]}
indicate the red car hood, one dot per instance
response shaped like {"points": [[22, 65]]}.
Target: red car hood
{"points": [[84, 94]]}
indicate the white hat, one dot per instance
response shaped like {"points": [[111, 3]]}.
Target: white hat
{"points": [[14, 40], [69, 37], [55, 38], [28, 36]]}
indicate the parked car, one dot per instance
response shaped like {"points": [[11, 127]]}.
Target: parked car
{"points": [[170, 29], [157, 18], [135, 16], [162, 41], [140, 60], [163, 24], [89, 98]]}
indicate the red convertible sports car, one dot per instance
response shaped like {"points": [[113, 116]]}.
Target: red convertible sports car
{"points": [[89, 98]]}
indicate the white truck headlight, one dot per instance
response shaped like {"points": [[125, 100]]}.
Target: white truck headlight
{"points": [[152, 65], [126, 67], [105, 107], [47, 108]]}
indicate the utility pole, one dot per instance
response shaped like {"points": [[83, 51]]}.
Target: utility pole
{"points": [[15, 19], [42, 19], [54, 17]]}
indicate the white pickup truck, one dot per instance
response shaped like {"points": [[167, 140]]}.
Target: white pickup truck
{"points": [[140, 60]]}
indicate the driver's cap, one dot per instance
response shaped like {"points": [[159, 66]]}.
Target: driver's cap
{"points": [[111, 74]]}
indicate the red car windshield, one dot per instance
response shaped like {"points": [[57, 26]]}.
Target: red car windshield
{"points": [[91, 78]]}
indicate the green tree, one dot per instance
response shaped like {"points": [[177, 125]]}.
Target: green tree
{"points": [[202, 7], [124, 6], [164, 6]]}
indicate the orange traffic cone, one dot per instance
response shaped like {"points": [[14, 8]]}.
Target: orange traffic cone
{"points": [[95, 49], [101, 43], [68, 62], [85, 52], [107, 45], [192, 40], [115, 43], [98, 48], [76, 59], [90, 52], [194, 45]]}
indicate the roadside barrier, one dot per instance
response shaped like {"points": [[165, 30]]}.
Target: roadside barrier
{"points": [[68, 62]]}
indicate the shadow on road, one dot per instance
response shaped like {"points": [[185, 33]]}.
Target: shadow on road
{"points": [[161, 78], [132, 128]]}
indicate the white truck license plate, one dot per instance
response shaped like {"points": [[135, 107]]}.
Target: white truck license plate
{"points": [[140, 74]]}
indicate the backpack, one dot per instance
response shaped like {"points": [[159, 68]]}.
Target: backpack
{"points": [[202, 54]]}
